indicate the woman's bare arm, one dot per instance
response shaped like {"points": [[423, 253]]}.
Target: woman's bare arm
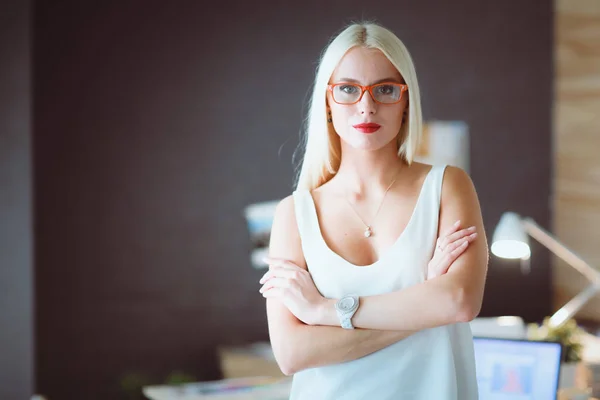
{"points": [[298, 346], [453, 297], [450, 298]]}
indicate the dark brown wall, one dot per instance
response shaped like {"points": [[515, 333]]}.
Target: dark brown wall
{"points": [[16, 233], [157, 122]]}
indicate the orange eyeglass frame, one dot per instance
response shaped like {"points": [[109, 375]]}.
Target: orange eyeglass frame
{"points": [[403, 88]]}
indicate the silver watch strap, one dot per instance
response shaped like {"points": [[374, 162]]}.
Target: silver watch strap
{"points": [[346, 308]]}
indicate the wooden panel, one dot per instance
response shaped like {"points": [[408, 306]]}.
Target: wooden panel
{"points": [[577, 141]]}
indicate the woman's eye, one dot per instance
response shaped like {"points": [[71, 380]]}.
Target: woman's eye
{"points": [[386, 89], [350, 89]]}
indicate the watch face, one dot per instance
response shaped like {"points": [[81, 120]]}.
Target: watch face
{"points": [[346, 304]]}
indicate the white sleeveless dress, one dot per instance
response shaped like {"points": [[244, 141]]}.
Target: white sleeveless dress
{"points": [[433, 364]]}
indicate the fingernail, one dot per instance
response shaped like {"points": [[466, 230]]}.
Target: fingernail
{"points": [[457, 222], [472, 228], [473, 235]]}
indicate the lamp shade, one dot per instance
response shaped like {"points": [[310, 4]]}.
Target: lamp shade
{"points": [[510, 239]]}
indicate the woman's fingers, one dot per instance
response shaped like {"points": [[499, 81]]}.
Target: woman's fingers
{"points": [[459, 248], [280, 272], [280, 283], [460, 242], [450, 251], [280, 262], [460, 234], [450, 256], [280, 267], [274, 292], [469, 232], [448, 232], [452, 229]]}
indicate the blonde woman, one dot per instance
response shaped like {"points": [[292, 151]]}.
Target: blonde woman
{"points": [[377, 262]]}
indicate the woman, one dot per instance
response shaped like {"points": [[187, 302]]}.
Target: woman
{"points": [[372, 240]]}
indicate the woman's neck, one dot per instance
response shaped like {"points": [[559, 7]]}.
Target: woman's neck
{"points": [[368, 173]]}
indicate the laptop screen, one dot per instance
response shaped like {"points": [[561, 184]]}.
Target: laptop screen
{"points": [[510, 369]]}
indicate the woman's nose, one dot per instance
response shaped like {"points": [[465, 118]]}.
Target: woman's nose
{"points": [[367, 104]]}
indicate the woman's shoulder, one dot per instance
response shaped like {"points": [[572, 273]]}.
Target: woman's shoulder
{"points": [[420, 168], [457, 184], [285, 208], [285, 211], [285, 214], [454, 180], [420, 165], [452, 174], [424, 168]]}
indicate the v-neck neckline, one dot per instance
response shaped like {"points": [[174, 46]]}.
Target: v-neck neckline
{"points": [[385, 252]]}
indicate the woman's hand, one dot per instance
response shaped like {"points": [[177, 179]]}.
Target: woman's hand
{"points": [[447, 249], [294, 287]]}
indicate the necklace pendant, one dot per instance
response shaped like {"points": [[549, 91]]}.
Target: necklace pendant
{"points": [[368, 232]]}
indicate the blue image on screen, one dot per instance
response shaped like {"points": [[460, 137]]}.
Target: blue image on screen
{"points": [[512, 379], [511, 369]]}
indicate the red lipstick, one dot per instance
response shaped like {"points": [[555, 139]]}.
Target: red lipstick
{"points": [[367, 127]]}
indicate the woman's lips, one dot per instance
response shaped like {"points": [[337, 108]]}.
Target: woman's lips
{"points": [[367, 128]]}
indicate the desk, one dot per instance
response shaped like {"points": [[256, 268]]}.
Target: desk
{"points": [[256, 388], [237, 363]]}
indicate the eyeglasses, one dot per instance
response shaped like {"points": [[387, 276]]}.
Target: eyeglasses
{"points": [[351, 93]]}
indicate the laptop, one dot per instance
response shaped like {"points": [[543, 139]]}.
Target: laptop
{"points": [[516, 369]]}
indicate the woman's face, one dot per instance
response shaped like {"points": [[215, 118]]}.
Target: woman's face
{"points": [[366, 67]]}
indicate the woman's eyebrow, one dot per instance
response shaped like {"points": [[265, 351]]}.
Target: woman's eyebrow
{"points": [[396, 80]]}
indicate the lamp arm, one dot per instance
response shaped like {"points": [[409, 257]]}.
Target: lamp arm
{"points": [[539, 234], [575, 304]]}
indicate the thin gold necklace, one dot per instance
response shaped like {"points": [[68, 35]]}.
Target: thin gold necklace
{"points": [[368, 230]]}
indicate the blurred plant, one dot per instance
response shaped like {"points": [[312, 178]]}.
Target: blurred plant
{"points": [[179, 378], [568, 334], [132, 385]]}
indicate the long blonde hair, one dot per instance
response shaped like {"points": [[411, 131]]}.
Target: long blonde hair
{"points": [[322, 149]]}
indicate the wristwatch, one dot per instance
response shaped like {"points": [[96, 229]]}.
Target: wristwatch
{"points": [[345, 308]]}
